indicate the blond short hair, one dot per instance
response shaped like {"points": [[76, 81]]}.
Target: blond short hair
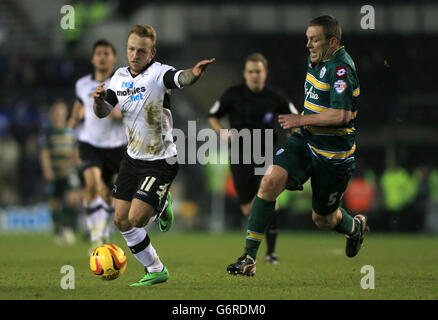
{"points": [[256, 57], [144, 31]]}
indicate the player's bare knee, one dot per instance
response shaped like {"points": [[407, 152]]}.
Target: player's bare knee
{"points": [[122, 224], [273, 183], [270, 188], [105, 193], [137, 221], [323, 222], [92, 190]]}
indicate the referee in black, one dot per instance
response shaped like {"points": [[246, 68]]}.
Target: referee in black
{"points": [[252, 105]]}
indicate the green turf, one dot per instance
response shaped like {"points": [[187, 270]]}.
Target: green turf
{"points": [[312, 266]]}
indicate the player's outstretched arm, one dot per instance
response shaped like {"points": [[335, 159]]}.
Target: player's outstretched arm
{"points": [[190, 76], [101, 107]]}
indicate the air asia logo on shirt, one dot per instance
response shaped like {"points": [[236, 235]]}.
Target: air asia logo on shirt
{"points": [[341, 72], [135, 93], [310, 93]]}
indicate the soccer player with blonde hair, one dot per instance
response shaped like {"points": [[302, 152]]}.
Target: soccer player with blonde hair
{"points": [[149, 165]]}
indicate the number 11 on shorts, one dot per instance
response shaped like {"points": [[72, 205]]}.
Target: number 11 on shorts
{"points": [[147, 183]]}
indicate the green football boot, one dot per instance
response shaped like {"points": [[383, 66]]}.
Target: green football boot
{"points": [[165, 221], [152, 278]]}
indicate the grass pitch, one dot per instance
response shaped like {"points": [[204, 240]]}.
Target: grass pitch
{"points": [[312, 265]]}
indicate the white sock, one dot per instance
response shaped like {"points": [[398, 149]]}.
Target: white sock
{"points": [[95, 219], [109, 208], [91, 222], [139, 243], [152, 219], [102, 221]]}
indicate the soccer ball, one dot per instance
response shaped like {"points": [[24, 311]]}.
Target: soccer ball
{"points": [[108, 262]]}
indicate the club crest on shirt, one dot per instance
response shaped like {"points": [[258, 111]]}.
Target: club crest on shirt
{"points": [[322, 73], [268, 117], [340, 86]]}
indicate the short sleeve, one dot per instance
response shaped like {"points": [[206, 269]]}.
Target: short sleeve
{"points": [[111, 96], [286, 106], [166, 81], [222, 106], [170, 79], [341, 88]]}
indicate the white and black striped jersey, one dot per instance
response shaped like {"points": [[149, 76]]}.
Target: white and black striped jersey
{"points": [[144, 102], [100, 133]]}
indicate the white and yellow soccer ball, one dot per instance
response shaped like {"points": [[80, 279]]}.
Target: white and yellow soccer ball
{"points": [[108, 262]]}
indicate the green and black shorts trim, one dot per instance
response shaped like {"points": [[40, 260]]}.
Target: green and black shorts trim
{"points": [[328, 181]]}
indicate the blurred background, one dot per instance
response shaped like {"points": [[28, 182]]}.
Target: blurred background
{"points": [[396, 181]]}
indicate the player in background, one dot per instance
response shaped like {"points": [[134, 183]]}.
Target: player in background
{"points": [[101, 144], [251, 105], [321, 148], [149, 166], [59, 158]]}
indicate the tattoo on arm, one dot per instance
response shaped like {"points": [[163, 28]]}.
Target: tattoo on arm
{"points": [[187, 78], [101, 109]]}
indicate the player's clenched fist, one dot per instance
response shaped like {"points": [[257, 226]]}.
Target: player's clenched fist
{"points": [[99, 93]]}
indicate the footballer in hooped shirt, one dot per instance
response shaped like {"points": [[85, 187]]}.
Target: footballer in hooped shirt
{"points": [[322, 147], [141, 192], [101, 144]]}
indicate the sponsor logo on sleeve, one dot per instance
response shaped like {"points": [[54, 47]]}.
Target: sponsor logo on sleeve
{"points": [[341, 72], [340, 86]]}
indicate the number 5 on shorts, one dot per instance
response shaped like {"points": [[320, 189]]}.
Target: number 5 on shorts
{"points": [[332, 198]]}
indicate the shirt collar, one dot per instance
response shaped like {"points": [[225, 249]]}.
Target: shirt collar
{"points": [[149, 64], [337, 51], [94, 78]]}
